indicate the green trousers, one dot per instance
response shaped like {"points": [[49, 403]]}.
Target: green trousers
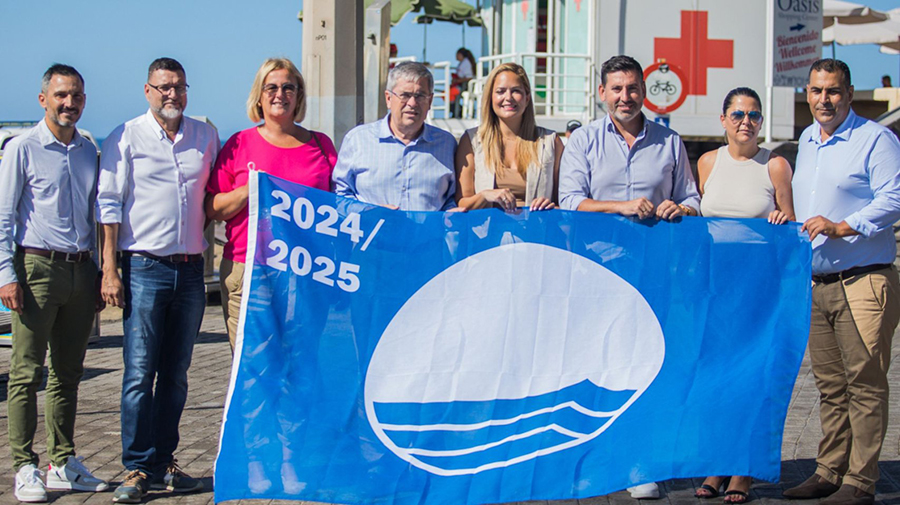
{"points": [[58, 313]]}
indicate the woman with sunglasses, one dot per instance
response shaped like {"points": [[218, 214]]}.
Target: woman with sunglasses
{"points": [[280, 147], [508, 161], [741, 179]]}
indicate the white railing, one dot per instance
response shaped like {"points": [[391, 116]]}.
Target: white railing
{"points": [[442, 80], [565, 88]]}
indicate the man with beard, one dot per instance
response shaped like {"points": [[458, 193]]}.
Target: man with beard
{"points": [[48, 279], [153, 174], [624, 164], [847, 193], [399, 161]]}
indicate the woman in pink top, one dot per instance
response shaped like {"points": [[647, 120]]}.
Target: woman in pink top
{"points": [[279, 147]]}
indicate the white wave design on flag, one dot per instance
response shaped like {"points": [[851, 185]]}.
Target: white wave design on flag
{"points": [[496, 422]]}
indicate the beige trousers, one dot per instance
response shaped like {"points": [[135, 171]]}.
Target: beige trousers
{"points": [[231, 283], [852, 326]]}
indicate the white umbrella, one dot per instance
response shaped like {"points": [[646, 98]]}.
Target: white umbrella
{"points": [[892, 47], [884, 33], [838, 11]]}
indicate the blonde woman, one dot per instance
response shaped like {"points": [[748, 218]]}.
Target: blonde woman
{"points": [[280, 147], [508, 161]]}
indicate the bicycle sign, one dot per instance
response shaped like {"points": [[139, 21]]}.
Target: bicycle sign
{"points": [[663, 87], [666, 87]]}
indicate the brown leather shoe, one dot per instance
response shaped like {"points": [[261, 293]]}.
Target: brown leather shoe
{"points": [[849, 495], [813, 487]]}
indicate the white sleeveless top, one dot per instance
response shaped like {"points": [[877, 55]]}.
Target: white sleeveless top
{"points": [[538, 177], [738, 188]]}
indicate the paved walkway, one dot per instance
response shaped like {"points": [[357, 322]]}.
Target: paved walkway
{"points": [[97, 436]]}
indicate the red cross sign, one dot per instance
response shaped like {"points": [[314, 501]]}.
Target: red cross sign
{"points": [[694, 52]]}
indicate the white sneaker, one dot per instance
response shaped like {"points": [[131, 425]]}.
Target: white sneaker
{"points": [[289, 481], [29, 486], [74, 475], [648, 491], [256, 478]]}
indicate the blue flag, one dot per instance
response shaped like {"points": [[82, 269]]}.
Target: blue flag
{"points": [[486, 357]]}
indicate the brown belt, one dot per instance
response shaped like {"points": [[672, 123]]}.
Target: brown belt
{"points": [[76, 257], [172, 258]]}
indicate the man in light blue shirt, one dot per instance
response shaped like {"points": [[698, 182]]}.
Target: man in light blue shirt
{"points": [[847, 193], [49, 280], [623, 163], [399, 161]]}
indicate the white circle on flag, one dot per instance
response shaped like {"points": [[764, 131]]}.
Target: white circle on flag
{"points": [[514, 353]]}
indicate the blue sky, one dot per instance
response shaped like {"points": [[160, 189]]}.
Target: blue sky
{"points": [[221, 44]]}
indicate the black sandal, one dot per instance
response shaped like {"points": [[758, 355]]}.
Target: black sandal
{"points": [[713, 492], [734, 492]]}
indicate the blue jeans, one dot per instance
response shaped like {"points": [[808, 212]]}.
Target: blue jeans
{"points": [[164, 304]]}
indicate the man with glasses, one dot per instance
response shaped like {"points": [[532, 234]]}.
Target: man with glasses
{"points": [[399, 161], [153, 174], [48, 279], [625, 164], [847, 193]]}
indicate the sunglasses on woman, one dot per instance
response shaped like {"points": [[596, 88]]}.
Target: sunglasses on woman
{"points": [[737, 116]]}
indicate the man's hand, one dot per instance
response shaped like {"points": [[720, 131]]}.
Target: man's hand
{"points": [[112, 292], [819, 225], [669, 210], [99, 305], [642, 208], [12, 297]]}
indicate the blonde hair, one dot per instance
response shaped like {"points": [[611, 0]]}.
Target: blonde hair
{"points": [[254, 108], [489, 129]]}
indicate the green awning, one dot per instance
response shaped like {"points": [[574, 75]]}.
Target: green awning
{"points": [[399, 8], [454, 11]]}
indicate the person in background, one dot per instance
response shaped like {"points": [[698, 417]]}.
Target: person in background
{"points": [[886, 81], [280, 147], [393, 54], [153, 175], [465, 72], [399, 161], [847, 193], [571, 126], [508, 161], [48, 280], [743, 180]]}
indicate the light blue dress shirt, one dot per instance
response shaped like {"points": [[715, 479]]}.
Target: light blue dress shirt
{"points": [[375, 167], [854, 176], [598, 164], [47, 196]]}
